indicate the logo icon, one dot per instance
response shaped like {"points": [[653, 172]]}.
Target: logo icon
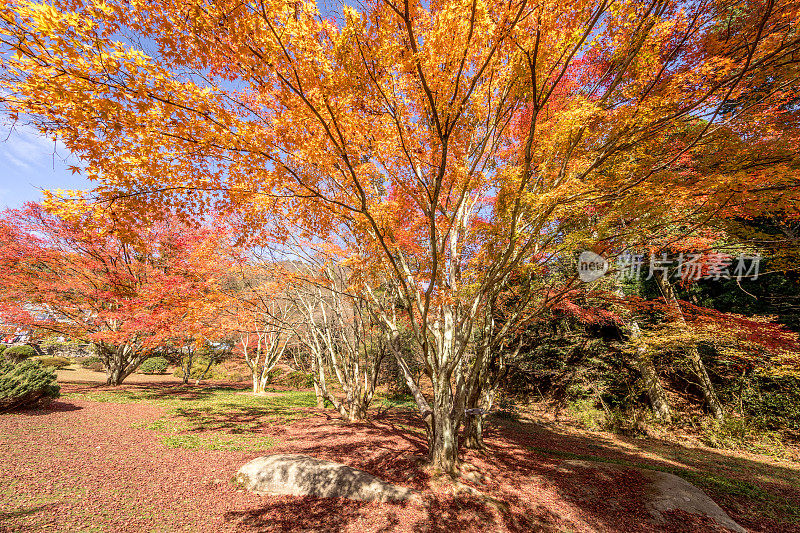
{"points": [[591, 266]]}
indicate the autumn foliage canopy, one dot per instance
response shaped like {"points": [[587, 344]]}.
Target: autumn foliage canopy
{"points": [[448, 147]]}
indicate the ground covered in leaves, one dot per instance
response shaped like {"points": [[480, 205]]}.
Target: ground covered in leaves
{"points": [[161, 457]]}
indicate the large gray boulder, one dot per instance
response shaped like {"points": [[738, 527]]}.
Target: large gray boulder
{"points": [[301, 475], [668, 492], [671, 492]]}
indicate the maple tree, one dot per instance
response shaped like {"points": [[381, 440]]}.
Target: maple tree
{"points": [[79, 279], [455, 143], [337, 330], [695, 255], [259, 315]]}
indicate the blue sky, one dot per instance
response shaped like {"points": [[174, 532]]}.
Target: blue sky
{"points": [[30, 162]]}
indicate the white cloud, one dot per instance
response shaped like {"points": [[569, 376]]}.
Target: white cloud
{"points": [[27, 149], [30, 162]]}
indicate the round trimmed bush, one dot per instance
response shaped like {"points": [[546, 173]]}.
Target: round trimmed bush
{"points": [[154, 365], [26, 384], [56, 362], [16, 354], [93, 363]]}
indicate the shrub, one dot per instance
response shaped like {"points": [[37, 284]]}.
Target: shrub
{"points": [[773, 401], [55, 362], [505, 407], [742, 434], [199, 365], [586, 414], [26, 384], [274, 375], [93, 363], [154, 365], [16, 354], [299, 380]]}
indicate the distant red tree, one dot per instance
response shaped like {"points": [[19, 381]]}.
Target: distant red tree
{"points": [[128, 296]]}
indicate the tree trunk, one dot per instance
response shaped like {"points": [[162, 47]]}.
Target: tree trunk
{"points": [[358, 412], [443, 431], [262, 383], [114, 376], [473, 432], [443, 444], [644, 362], [260, 379], [473, 424], [706, 386], [187, 367], [704, 381], [203, 375], [652, 384], [116, 363], [319, 373], [655, 391]]}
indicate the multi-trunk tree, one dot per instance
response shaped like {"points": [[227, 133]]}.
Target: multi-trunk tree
{"points": [[457, 143], [338, 332], [259, 315]]}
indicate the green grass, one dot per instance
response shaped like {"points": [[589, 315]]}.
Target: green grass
{"points": [[209, 398], [214, 418], [216, 441], [403, 402]]}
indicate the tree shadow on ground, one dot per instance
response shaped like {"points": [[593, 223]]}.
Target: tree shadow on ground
{"points": [[25, 511], [757, 494], [50, 407], [152, 391], [532, 481], [303, 513], [393, 448], [644, 452], [239, 419]]}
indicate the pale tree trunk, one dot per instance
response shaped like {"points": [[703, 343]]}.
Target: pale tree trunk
{"points": [[119, 361], [442, 417], [479, 404], [481, 394], [319, 374], [270, 347], [644, 363], [652, 383], [706, 386], [443, 431], [473, 423], [187, 359], [456, 377], [693, 354], [339, 339], [263, 312], [211, 361], [653, 386]]}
